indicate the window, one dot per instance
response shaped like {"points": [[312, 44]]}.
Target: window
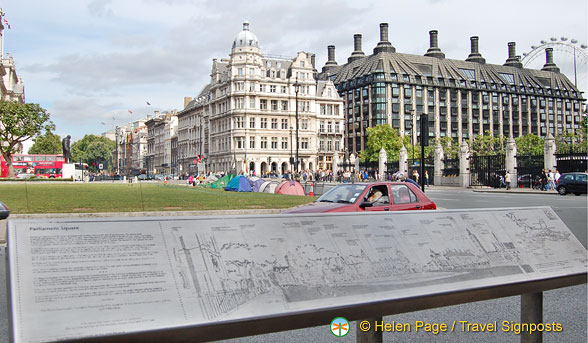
{"points": [[284, 105], [251, 142], [238, 103], [274, 104], [251, 71], [263, 142], [252, 102], [284, 124], [240, 71], [263, 123], [304, 143], [329, 127], [284, 89], [304, 124], [322, 126], [402, 194], [239, 86], [263, 104], [284, 143], [262, 88], [274, 123], [272, 88], [252, 123], [239, 122], [274, 142], [302, 64], [240, 142]]}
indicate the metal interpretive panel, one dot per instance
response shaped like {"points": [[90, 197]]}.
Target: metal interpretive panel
{"points": [[82, 278]]}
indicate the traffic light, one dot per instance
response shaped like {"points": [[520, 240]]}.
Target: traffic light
{"points": [[424, 130]]}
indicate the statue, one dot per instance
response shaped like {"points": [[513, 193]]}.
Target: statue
{"points": [[66, 149]]}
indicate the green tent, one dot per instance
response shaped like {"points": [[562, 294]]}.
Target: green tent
{"points": [[222, 182]]}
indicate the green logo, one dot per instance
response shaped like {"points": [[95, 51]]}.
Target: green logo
{"points": [[339, 327]]}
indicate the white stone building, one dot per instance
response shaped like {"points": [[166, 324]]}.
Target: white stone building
{"points": [[161, 131], [245, 119], [131, 147]]}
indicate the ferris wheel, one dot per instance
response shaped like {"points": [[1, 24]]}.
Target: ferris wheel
{"points": [[568, 54]]}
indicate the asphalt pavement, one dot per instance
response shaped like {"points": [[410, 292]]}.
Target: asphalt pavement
{"points": [[566, 306]]}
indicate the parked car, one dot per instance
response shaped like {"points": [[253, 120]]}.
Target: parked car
{"points": [[4, 211], [376, 196], [25, 176], [572, 183]]}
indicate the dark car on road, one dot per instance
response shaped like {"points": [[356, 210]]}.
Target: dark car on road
{"points": [[377, 196], [572, 183], [4, 211]]}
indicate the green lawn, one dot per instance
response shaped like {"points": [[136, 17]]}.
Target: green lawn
{"points": [[102, 197]]}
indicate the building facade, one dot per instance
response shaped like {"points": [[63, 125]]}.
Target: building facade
{"points": [[161, 132], [131, 147], [261, 114], [462, 99]]}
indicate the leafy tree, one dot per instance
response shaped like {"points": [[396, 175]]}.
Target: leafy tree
{"points": [[487, 144], [382, 136], [450, 148], [530, 145], [93, 150], [49, 143], [19, 122], [571, 142]]}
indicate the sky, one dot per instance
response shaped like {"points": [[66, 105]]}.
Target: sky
{"points": [[92, 63]]}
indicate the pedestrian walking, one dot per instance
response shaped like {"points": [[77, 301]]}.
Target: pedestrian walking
{"points": [[427, 178], [507, 179]]}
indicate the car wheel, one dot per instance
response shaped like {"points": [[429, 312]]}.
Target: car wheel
{"points": [[577, 193], [562, 190]]}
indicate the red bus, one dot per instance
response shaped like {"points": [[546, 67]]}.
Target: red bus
{"points": [[48, 166]]}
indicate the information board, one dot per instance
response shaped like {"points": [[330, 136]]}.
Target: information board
{"points": [[75, 278]]}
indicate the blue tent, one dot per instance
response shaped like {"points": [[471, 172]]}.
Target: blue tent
{"points": [[255, 184], [239, 184]]}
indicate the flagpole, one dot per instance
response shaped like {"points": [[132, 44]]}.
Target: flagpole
{"points": [[1, 34]]}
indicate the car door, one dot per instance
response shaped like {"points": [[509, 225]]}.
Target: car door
{"points": [[581, 183], [403, 198], [383, 203]]}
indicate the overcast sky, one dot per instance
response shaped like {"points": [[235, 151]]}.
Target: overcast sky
{"points": [[90, 62]]}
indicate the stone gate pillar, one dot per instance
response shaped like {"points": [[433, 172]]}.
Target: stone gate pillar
{"points": [[351, 161], [464, 164], [382, 159], [549, 162], [335, 168], [510, 160], [439, 165], [403, 161]]}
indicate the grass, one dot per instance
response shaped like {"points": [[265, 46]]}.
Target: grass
{"points": [[102, 197]]}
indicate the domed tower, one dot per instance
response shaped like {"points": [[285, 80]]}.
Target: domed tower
{"points": [[246, 49]]}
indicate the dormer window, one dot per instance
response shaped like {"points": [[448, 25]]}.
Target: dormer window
{"points": [[302, 64]]}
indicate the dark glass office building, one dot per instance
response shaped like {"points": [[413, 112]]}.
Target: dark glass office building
{"points": [[461, 98]]}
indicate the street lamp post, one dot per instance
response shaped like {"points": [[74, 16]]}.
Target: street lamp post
{"points": [[296, 89], [291, 155]]}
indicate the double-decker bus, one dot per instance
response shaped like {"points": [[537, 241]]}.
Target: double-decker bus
{"points": [[48, 166]]}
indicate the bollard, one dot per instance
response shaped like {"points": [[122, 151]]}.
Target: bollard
{"points": [[311, 192]]}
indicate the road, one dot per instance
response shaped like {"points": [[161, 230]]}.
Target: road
{"points": [[566, 306]]}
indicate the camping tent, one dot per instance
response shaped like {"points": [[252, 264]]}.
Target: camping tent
{"points": [[239, 184], [223, 181], [290, 187], [255, 184], [268, 187]]}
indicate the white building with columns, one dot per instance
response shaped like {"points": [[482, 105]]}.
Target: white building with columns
{"points": [[255, 110]]}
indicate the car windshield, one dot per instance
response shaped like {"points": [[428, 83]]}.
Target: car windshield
{"points": [[346, 193]]}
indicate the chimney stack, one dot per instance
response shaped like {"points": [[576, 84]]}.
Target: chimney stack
{"points": [[549, 65], [357, 53], [313, 59], [331, 59], [475, 55], [512, 60], [434, 50], [384, 45]]}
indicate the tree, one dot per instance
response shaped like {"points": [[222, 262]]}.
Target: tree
{"points": [[487, 144], [19, 122], [530, 145], [382, 136], [93, 150], [49, 143], [450, 148]]}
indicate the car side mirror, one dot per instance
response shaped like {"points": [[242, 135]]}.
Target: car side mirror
{"points": [[366, 203]]}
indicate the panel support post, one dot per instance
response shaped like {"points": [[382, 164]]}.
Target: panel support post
{"points": [[372, 335], [532, 312]]}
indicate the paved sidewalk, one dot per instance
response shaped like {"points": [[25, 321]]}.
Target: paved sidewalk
{"points": [[514, 190]]}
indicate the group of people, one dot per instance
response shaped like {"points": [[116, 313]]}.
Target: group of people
{"points": [[548, 179]]}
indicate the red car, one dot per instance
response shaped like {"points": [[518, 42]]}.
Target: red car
{"points": [[378, 196]]}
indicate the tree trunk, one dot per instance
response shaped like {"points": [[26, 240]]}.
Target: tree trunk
{"points": [[8, 159]]}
